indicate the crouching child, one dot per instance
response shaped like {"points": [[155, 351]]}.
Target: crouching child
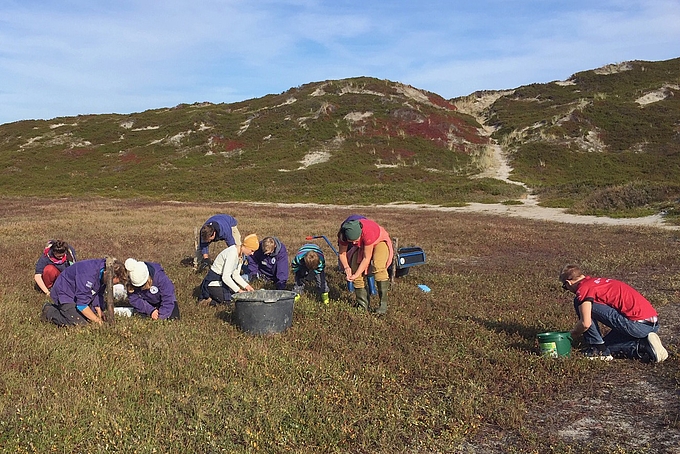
{"points": [[309, 264]]}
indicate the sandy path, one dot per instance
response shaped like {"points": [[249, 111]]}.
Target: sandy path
{"points": [[526, 211]]}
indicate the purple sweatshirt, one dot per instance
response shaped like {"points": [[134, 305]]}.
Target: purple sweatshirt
{"points": [[222, 224], [161, 294], [81, 283], [273, 267]]}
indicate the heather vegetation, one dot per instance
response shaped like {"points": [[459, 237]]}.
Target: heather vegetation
{"points": [[357, 140], [604, 142], [453, 370]]}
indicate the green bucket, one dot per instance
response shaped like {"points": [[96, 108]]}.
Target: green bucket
{"points": [[554, 344]]}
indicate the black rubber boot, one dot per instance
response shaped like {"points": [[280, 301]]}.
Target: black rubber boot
{"points": [[383, 288], [362, 298]]}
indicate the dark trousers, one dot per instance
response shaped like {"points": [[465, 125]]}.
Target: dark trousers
{"points": [[63, 314]]}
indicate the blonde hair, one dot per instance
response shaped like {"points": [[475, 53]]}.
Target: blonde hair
{"points": [[147, 285]]}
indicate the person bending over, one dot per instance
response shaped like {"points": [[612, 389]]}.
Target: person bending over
{"points": [[633, 321]]}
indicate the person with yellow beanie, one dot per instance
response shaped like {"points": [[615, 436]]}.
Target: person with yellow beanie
{"points": [[224, 277]]}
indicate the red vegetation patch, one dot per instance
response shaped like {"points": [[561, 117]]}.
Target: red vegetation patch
{"points": [[130, 158], [227, 144], [444, 130], [441, 102]]}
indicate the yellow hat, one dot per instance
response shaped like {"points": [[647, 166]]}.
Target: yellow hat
{"points": [[251, 242]]}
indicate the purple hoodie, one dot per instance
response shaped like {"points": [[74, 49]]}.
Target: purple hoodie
{"points": [[81, 283], [161, 294], [273, 267]]}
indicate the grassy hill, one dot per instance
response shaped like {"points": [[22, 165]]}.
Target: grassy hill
{"points": [[604, 142], [350, 141]]}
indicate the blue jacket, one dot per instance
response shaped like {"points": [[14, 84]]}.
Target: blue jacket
{"points": [[81, 283], [161, 294], [273, 267], [222, 224]]}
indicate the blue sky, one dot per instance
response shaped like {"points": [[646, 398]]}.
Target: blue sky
{"points": [[70, 57]]}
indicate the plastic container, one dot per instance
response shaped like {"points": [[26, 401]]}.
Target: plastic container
{"points": [[123, 311], [263, 311], [554, 344]]}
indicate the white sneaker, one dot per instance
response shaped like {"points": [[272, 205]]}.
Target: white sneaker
{"points": [[660, 353]]}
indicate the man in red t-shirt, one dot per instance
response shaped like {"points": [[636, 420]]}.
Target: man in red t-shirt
{"points": [[632, 319]]}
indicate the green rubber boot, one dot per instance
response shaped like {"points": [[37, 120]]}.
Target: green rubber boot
{"points": [[383, 287], [362, 298]]}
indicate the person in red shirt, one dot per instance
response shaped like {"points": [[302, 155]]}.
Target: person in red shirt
{"points": [[364, 247], [633, 321]]}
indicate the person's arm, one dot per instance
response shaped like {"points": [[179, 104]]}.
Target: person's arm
{"points": [[140, 304], [584, 320], [232, 269], [87, 295], [244, 286], [203, 248], [281, 272], [39, 280], [91, 316], [365, 262], [342, 256]]}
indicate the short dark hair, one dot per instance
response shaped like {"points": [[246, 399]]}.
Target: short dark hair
{"points": [[207, 231]]}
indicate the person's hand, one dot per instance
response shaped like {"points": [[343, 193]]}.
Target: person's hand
{"points": [[324, 298], [249, 288], [205, 264], [154, 314], [348, 273]]}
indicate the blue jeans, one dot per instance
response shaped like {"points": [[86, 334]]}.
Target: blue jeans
{"points": [[625, 335]]}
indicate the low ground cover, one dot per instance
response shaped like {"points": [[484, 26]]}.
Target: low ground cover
{"points": [[453, 370]]}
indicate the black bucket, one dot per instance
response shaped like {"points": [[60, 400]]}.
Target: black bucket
{"points": [[263, 311]]}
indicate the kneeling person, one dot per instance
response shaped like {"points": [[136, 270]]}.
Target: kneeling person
{"points": [[78, 292], [270, 262], [56, 257], [224, 276], [632, 319], [150, 290]]}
